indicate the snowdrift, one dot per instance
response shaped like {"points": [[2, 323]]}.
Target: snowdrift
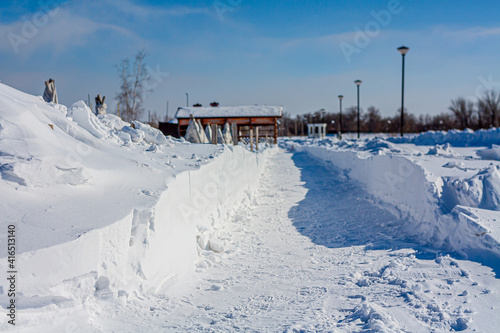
{"points": [[452, 201], [456, 138], [103, 208], [150, 248]]}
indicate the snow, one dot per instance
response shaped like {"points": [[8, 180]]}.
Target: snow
{"points": [[230, 111], [120, 229], [418, 188], [317, 255], [195, 133], [91, 208], [456, 138], [227, 135], [492, 153], [151, 135], [83, 116]]}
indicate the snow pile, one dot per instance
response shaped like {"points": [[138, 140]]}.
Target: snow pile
{"points": [[456, 138], [442, 150], [112, 121], [437, 199], [479, 191], [105, 210], [83, 116], [381, 146], [220, 137], [208, 132], [195, 133], [114, 128], [375, 318], [151, 135], [492, 153], [455, 164], [129, 134], [227, 135], [33, 148]]}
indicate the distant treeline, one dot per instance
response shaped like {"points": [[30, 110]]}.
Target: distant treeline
{"points": [[461, 114]]}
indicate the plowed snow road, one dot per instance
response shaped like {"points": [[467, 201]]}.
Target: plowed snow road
{"points": [[309, 252]]}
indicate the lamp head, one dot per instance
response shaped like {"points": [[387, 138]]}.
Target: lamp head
{"points": [[358, 82], [403, 50], [341, 97]]}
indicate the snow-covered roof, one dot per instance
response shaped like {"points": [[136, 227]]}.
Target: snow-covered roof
{"points": [[230, 112]]}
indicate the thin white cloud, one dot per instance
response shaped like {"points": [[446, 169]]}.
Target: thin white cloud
{"points": [[59, 30], [468, 33], [74, 23], [334, 40], [129, 7]]}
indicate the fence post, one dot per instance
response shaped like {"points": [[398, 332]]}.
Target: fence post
{"points": [[214, 134], [257, 138], [235, 133], [251, 139]]}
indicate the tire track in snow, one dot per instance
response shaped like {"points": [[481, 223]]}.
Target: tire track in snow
{"points": [[310, 252]]}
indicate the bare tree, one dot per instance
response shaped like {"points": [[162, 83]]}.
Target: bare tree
{"points": [[373, 120], [410, 122], [133, 86], [349, 119], [462, 110], [489, 108], [154, 121]]}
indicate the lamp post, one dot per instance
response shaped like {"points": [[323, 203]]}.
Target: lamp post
{"points": [[187, 99], [358, 83], [403, 50], [340, 118]]}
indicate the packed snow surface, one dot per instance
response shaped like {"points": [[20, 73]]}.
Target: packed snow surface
{"points": [[120, 229], [310, 252]]}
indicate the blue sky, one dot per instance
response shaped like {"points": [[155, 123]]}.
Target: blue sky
{"points": [[299, 54]]}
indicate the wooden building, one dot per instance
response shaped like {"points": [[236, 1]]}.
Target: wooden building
{"points": [[246, 118]]}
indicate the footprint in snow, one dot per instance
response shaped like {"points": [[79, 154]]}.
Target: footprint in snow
{"points": [[215, 288]]}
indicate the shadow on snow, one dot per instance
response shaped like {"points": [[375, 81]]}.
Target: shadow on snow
{"points": [[338, 212]]}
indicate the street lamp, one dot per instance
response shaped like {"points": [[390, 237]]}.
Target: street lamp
{"points": [[403, 50], [358, 83], [340, 120], [187, 99]]}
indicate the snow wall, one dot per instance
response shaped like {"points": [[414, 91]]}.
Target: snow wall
{"points": [[409, 191], [150, 249], [457, 138]]}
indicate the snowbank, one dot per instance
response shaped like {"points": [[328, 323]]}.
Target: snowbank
{"points": [[151, 135], [151, 247], [492, 153], [456, 138], [104, 209], [443, 204], [391, 179], [83, 116]]}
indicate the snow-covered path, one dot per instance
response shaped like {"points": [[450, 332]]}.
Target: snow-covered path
{"points": [[309, 252]]}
